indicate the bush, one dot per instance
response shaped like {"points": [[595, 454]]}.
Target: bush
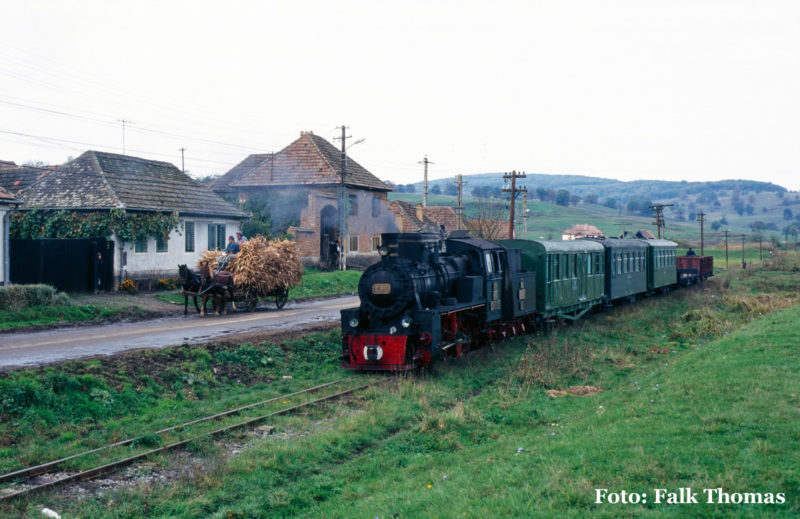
{"points": [[16, 297], [166, 284], [128, 286]]}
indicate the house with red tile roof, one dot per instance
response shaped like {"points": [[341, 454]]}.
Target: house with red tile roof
{"points": [[310, 169]]}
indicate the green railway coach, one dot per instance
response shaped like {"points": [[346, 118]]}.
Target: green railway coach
{"points": [[662, 270], [570, 275], [626, 268]]}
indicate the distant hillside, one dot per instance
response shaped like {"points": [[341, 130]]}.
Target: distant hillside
{"points": [[605, 188]]}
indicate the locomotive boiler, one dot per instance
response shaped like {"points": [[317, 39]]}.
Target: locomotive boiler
{"points": [[429, 297]]}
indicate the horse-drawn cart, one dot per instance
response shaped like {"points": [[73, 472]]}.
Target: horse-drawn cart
{"points": [[261, 270]]}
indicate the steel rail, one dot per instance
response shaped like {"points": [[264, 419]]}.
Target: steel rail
{"points": [[109, 467], [46, 467]]}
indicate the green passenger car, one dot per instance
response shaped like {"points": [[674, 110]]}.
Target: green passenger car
{"points": [[570, 275], [626, 268], [662, 271]]}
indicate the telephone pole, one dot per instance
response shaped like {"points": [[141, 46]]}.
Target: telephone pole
{"points": [[658, 216], [701, 218], [459, 183], [725, 233], [343, 201], [744, 263], [525, 213], [124, 122], [425, 161], [183, 166], [513, 176]]}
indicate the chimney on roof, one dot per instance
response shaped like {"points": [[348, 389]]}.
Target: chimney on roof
{"points": [[420, 214], [302, 134]]}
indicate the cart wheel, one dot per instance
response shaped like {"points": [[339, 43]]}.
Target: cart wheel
{"points": [[251, 300], [281, 297]]}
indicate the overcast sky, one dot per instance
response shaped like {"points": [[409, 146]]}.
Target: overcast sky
{"points": [[695, 90]]}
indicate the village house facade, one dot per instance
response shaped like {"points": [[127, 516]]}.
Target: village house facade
{"points": [[311, 167], [99, 181], [8, 204]]}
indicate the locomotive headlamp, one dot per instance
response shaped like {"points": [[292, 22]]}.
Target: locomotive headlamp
{"points": [[383, 250], [405, 322], [353, 322], [393, 330]]}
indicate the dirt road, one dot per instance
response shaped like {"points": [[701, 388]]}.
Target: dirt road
{"points": [[31, 349]]}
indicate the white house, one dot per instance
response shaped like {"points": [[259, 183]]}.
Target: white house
{"points": [[7, 205], [98, 182]]}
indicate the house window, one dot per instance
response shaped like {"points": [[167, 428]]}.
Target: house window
{"points": [[140, 245], [354, 243], [161, 244], [188, 229], [216, 236], [376, 242], [376, 207], [353, 205]]}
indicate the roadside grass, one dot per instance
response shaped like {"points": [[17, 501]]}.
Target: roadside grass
{"points": [[699, 390], [44, 316], [315, 283], [51, 412]]}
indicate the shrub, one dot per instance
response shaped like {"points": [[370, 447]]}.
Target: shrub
{"points": [[16, 297], [128, 286], [166, 284]]}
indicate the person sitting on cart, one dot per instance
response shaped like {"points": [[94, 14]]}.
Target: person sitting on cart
{"points": [[690, 252], [240, 238], [231, 250]]}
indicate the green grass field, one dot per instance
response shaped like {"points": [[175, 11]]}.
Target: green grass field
{"points": [[699, 389]]}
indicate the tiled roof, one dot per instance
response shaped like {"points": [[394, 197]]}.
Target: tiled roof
{"points": [[310, 160], [442, 215], [7, 197], [6, 164], [584, 229], [409, 220], [223, 183], [15, 179], [98, 180]]}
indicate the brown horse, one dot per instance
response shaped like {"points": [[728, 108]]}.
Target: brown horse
{"points": [[216, 286]]}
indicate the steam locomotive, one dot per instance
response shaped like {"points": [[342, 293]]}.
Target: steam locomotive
{"points": [[430, 297]]}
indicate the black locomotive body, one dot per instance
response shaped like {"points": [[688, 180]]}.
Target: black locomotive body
{"points": [[429, 297]]}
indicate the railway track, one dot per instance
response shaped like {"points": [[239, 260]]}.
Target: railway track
{"points": [[21, 476]]}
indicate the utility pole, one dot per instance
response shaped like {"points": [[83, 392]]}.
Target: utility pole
{"points": [[513, 176], [701, 218], [725, 233], [183, 166], [425, 161], [760, 249], [124, 122], [343, 201], [459, 183], [658, 216], [525, 213], [744, 263]]}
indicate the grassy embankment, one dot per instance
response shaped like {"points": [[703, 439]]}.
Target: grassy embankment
{"points": [[700, 390]]}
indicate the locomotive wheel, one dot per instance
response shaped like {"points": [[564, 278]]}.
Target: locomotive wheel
{"points": [[281, 297], [251, 300]]}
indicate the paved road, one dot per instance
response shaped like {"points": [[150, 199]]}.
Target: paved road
{"points": [[29, 349]]}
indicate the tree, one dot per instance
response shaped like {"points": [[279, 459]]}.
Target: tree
{"points": [[574, 199], [562, 197], [590, 199], [411, 188], [633, 206], [541, 193], [611, 203], [758, 225], [692, 217], [436, 190], [450, 189], [787, 214], [715, 225], [749, 210], [488, 222]]}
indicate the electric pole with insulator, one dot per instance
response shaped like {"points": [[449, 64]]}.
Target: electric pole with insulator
{"points": [[343, 202], [459, 183], [425, 161], [701, 218], [124, 122], [658, 216], [725, 234], [183, 166], [513, 176]]}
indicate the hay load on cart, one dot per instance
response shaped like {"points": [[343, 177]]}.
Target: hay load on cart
{"points": [[261, 270]]}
